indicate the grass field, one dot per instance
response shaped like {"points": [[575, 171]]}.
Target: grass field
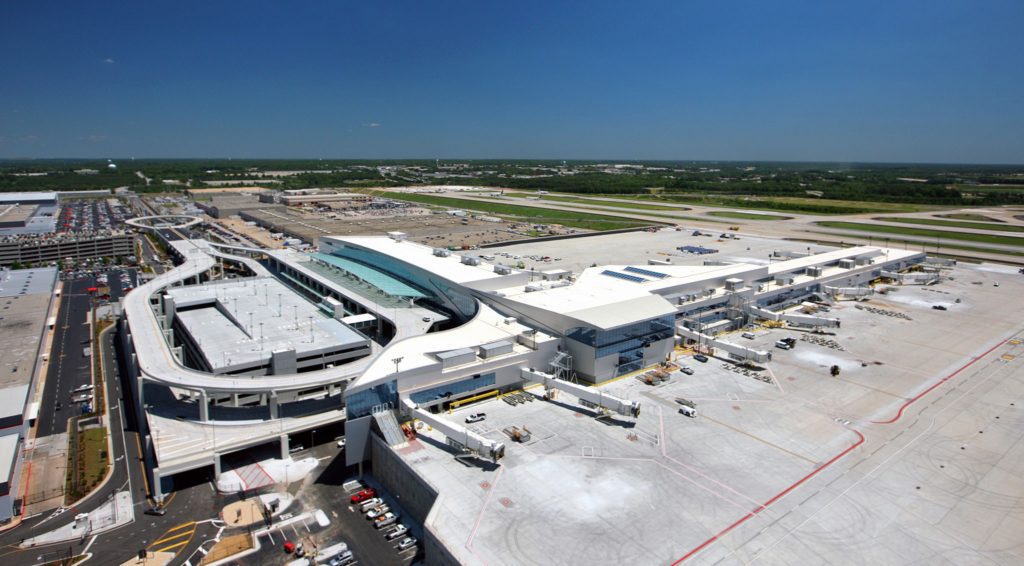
{"points": [[791, 204], [925, 233], [748, 215], [924, 246], [545, 215], [956, 224], [622, 203], [970, 216]]}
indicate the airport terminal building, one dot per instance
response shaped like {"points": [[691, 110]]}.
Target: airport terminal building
{"points": [[367, 327]]}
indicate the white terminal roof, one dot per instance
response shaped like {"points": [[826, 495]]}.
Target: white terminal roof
{"points": [[487, 326], [450, 267], [795, 264], [231, 315]]}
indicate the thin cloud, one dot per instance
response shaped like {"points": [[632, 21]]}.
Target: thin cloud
{"points": [[372, 125], [109, 61]]}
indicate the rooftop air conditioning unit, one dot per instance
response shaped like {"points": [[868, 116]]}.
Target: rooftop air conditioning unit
{"points": [[502, 269], [470, 260], [441, 252]]}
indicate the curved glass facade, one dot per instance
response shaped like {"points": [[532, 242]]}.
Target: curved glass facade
{"points": [[439, 294]]}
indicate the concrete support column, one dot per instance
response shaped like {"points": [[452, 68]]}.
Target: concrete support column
{"points": [[157, 494], [284, 446], [216, 466], [274, 409], [234, 399], [204, 407]]}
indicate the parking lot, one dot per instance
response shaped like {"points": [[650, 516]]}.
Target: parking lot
{"points": [[91, 215]]}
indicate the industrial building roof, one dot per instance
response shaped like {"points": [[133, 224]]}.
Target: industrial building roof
{"points": [[27, 197], [12, 400], [8, 452]]}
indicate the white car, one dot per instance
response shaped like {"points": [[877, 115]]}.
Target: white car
{"points": [[341, 441], [377, 512], [476, 417]]}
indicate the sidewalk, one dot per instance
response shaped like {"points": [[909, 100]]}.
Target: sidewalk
{"points": [[250, 511], [112, 514]]}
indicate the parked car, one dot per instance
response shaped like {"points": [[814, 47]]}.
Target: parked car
{"points": [[476, 417], [370, 504], [377, 511], [384, 520], [158, 511], [701, 358], [687, 370], [939, 307], [396, 532], [407, 542], [363, 495]]}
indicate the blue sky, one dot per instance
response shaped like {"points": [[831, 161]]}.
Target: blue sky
{"points": [[927, 81]]}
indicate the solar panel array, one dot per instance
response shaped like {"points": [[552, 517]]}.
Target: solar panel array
{"points": [[626, 276], [646, 272]]}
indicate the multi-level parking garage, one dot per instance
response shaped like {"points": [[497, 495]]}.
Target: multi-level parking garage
{"points": [[372, 330]]}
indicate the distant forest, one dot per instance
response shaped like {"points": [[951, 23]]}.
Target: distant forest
{"points": [[894, 183]]}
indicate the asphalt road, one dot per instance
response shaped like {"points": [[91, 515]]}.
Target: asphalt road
{"points": [[69, 367]]}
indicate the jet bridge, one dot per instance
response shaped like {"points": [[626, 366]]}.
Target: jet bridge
{"points": [[793, 318], [457, 434], [849, 293], [736, 351], [588, 396]]}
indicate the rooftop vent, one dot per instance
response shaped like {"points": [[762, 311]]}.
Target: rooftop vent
{"points": [[441, 252]]}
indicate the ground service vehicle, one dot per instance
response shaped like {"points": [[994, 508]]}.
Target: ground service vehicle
{"points": [[688, 411]]}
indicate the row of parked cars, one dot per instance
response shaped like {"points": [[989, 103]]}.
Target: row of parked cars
{"points": [[384, 519]]}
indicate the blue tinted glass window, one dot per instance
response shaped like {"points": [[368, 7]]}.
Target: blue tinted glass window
{"points": [[361, 403], [455, 389]]}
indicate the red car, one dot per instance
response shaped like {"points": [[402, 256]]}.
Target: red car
{"points": [[364, 495]]}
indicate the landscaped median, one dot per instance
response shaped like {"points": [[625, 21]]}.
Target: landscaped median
{"points": [[937, 235], [88, 449]]}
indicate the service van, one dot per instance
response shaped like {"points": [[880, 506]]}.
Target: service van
{"points": [[688, 411], [749, 335]]}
